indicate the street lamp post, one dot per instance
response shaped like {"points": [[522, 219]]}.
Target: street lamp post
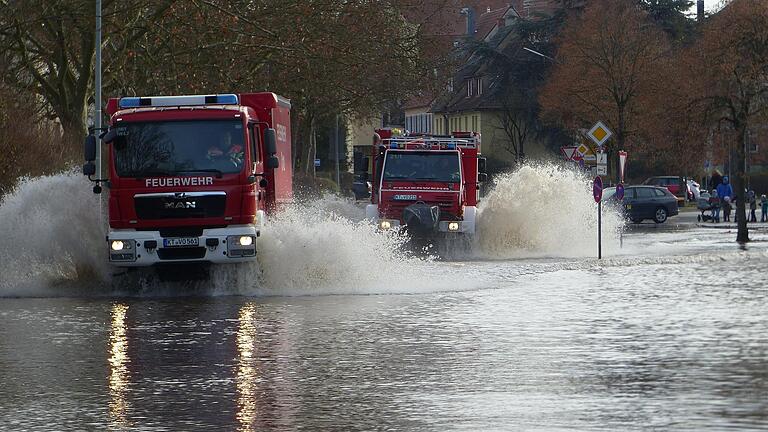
{"points": [[97, 84]]}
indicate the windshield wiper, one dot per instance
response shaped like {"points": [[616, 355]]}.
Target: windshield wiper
{"points": [[218, 173]]}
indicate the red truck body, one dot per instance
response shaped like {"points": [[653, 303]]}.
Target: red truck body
{"points": [[192, 178], [428, 184]]}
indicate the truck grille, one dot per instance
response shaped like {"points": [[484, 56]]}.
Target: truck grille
{"points": [[179, 205]]}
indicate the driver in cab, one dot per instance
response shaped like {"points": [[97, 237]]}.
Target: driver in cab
{"points": [[226, 152]]}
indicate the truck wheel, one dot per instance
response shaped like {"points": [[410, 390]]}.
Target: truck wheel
{"points": [[661, 215]]}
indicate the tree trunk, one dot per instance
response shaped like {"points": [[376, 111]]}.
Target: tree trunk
{"points": [[739, 183]]}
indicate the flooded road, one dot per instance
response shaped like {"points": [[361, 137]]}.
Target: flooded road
{"points": [[671, 342], [336, 329]]}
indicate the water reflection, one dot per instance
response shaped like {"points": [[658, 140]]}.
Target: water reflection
{"points": [[118, 365], [247, 373]]}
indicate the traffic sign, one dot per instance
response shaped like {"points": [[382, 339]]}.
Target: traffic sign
{"points": [[599, 133], [620, 191], [602, 170], [597, 189], [622, 162], [317, 162], [569, 152]]}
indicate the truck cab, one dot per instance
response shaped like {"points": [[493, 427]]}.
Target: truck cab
{"points": [[192, 178], [426, 184]]}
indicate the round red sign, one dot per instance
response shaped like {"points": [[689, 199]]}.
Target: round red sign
{"points": [[597, 189]]}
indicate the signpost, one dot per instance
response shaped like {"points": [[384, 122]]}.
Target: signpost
{"points": [[597, 192], [620, 191], [599, 134], [569, 152], [602, 164]]}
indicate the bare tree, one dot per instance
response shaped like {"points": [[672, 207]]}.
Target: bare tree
{"points": [[729, 71]]}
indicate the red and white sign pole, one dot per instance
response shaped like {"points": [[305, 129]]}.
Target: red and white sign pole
{"points": [[622, 162]]}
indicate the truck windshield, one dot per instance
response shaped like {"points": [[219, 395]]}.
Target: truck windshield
{"points": [[433, 166], [179, 147]]}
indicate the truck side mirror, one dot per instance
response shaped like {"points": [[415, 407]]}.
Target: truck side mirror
{"points": [[481, 162], [109, 136], [482, 177], [273, 162], [89, 168], [270, 142], [90, 148]]}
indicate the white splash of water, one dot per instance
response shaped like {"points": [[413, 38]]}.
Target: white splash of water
{"points": [[543, 211], [51, 235], [310, 249], [53, 245]]}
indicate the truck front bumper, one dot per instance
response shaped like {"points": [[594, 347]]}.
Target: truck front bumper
{"points": [[233, 244]]}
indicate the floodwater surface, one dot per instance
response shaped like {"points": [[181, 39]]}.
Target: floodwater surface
{"points": [[667, 332]]}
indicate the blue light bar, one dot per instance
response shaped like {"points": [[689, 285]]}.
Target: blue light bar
{"points": [[393, 145], [451, 146], [130, 102], [189, 100]]}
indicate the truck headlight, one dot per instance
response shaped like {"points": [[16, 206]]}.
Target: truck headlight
{"points": [[122, 250], [453, 226], [241, 246], [385, 225]]}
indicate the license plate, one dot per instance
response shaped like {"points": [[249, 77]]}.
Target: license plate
{"points": [[181, 242], [404, 197]]}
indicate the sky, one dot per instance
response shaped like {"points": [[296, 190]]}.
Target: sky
{"points": [[710, 6]]}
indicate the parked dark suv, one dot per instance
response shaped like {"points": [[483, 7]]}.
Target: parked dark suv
{"points": [[646, 202]]}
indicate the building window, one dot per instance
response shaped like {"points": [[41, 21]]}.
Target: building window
{"points": [[470, 83], [474, 123], [480, 86]]}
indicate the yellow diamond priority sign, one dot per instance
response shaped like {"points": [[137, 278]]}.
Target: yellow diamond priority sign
{"points": [[599, 133]]}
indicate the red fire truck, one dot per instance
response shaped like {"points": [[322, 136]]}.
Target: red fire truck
{"points": [[192, 178], [427, 184]]}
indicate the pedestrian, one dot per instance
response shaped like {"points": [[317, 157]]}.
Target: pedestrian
{"points": [[714, 203], [716, 179], [725, 189], [727, 209], [763, 208], [752, 206]]}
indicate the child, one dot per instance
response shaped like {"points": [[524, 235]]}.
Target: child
{"points": [[714, 202], [764, 208], [752, 198], [727, 209]]}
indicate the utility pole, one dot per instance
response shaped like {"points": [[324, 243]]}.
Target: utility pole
{"points": [[97, 113], [336, 152]]}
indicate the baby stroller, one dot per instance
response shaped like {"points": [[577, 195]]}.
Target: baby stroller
{"points": [[704, 206]]}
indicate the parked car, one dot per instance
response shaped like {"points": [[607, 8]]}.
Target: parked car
{"points": [[675, 184], [645, 202]]}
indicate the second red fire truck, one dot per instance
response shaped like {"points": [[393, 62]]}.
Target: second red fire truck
{"points": [[428, 185]]}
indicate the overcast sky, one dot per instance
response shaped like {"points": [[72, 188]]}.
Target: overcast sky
{"points": [[709, 6]]}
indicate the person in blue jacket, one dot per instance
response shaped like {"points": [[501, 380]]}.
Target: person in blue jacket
{"points": [[724, 189]]}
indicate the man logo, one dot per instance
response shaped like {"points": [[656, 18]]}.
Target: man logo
{"points": [[181, 205]]}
